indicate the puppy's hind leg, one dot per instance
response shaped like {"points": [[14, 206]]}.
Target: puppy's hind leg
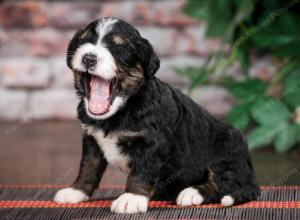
{"points": [[242, 195], [236, 182], [198, 194], [234, 173]]}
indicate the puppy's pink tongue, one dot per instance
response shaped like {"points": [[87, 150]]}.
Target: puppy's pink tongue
{"points": [[99, 94]]}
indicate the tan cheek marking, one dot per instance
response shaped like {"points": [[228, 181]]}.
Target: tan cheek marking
{"points": [[118, 40], [133, 80]]}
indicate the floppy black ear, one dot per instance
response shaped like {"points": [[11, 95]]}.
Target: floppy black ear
{"points": [[148, 57], [72, 47]]}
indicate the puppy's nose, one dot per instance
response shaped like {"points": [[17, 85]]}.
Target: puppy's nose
{"points": [[89, 60]]}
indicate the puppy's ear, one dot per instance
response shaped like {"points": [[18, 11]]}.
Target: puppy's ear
{"points": [[72, 47], [147, 57]]}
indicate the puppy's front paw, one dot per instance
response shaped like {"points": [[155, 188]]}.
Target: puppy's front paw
{"points": [[129, 203], [189, 196], [70, 195]]}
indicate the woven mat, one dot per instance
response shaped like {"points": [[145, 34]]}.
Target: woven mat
{"points": [[35, 202]]}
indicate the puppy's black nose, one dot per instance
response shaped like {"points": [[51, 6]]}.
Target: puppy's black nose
{"points": [[89, 60]]}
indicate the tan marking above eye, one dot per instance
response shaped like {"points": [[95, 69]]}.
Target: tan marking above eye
{"points": [[118, 39], [84, 34]]}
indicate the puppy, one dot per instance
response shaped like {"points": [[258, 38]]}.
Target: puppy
{"points": [[171, 148]]}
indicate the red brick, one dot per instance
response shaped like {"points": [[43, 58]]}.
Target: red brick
{"points": [[61, 75], [170, 13], [3, 37], [79, 14], [72, 15], [162, 39], [46, 42], [24, 73], [43, 42], [23, 14], [167, 73], [53, 104], [12, 104], [34, 29], [216, 100], [133, 12], [167, 12], [193, 41]]}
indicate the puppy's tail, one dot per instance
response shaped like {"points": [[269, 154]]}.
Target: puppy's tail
{"points": [[245, 194]]}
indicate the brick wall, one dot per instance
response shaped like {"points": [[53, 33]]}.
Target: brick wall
{"points": [[35, 82]]}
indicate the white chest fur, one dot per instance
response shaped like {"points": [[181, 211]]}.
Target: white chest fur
{"points": [[108, 145]]}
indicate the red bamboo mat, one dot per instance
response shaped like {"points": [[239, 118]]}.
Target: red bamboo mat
{"points": [[35, 202]]}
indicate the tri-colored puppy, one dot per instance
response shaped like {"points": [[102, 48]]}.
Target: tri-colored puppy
{"points": [[170, 147]]}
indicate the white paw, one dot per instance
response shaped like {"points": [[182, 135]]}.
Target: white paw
{"points": [[227, 201], [189, 196], [130, 203], [70, 195]]}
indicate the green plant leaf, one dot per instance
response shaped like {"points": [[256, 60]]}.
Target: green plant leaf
{"points": [[262, 136], [292, 66], [288, 50], [287, 138], [243, 56], [247, 90], [239, 116], [218, 28], [243, 10], [289, 23], [197, 9], [291, 92], [273, 41], [270, 111], [219, 20]]}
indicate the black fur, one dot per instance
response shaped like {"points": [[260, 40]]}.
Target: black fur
{"points": [[182, 144], [92, 166]]}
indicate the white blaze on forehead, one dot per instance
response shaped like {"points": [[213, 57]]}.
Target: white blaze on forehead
{"points": [[104, 26]]}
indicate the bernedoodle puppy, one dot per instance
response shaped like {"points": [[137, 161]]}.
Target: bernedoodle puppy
{"points": [[171, 148]]}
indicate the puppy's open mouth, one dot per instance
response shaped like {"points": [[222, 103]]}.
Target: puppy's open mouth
{"points": [[100, 93]]}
